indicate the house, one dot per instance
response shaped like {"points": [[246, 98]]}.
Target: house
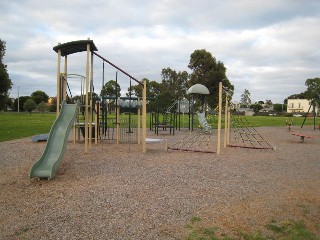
{"points": [[51, 100], [246, 111], [299, 106], [239, 110]]}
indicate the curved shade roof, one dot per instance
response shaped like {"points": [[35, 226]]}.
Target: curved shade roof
{"points": [[198, 89], [74, 47]]}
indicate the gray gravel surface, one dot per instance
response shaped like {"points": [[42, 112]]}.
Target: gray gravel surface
{"points": [[117, 192]]}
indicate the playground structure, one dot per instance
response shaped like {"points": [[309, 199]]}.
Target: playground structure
{"points": [[203, 122], [119, 128], [94, 124], [246, 136], [289, 124], [171, 117], [63, 50], [313, 101], [302, 136], [195, 142], [204, 138], [167, 120], [67, 114], [52, 156]]}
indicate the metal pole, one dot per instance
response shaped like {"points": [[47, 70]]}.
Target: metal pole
{"points": [[118, 68], [226, 123], [305, 117], [18, 99], [144, 117]]}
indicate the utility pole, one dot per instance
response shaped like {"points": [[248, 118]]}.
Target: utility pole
{"points": [[18, 100]]}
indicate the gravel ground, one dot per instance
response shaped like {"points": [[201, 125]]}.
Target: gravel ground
{"points": [[117, 192]]}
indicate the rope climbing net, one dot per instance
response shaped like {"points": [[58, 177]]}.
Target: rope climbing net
{"points": [[195, 142], [246, 136]]}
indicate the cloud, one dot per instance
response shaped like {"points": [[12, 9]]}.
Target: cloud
{"points": [[270, 48]]}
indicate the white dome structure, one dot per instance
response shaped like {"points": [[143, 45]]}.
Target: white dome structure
{"points": [[198, 89]]}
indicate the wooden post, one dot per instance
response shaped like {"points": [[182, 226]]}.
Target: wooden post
{"points": [[90, 124], [225, 123], [86, 122], [228, 134], [144, 117], [58, 82], [91, 101], [219, 118], [64, 89], [74, 133]]}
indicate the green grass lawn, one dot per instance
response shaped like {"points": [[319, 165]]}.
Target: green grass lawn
{"points": [[288, 230], [277, 121], [20, 125]]}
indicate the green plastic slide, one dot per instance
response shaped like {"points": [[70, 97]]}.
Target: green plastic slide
{"points": [[49, 162]]}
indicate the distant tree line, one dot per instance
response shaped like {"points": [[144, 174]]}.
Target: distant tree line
{"points": [[205, 70], [38, 100]]}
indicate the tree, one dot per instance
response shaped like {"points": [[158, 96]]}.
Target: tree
{"points": [[206, 70], [76, 98], [279, 108], [245, 98], [256, 107], [295, 96], [165, 99], [313, 90], [268, 103], [175, 82], [42, 107], [29, 105], [10, 103], [39, 96], [154, 89], [5, 81], [22, 100], [53, 106], [111, 88]]}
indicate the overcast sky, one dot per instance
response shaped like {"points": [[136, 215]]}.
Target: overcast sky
{"points": [[269, 47]]}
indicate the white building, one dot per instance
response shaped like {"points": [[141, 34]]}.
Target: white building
{"points": [[299, 105]]}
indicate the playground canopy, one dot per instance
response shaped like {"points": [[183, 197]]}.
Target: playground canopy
{"points": [[198, 89], [74, 47]]}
